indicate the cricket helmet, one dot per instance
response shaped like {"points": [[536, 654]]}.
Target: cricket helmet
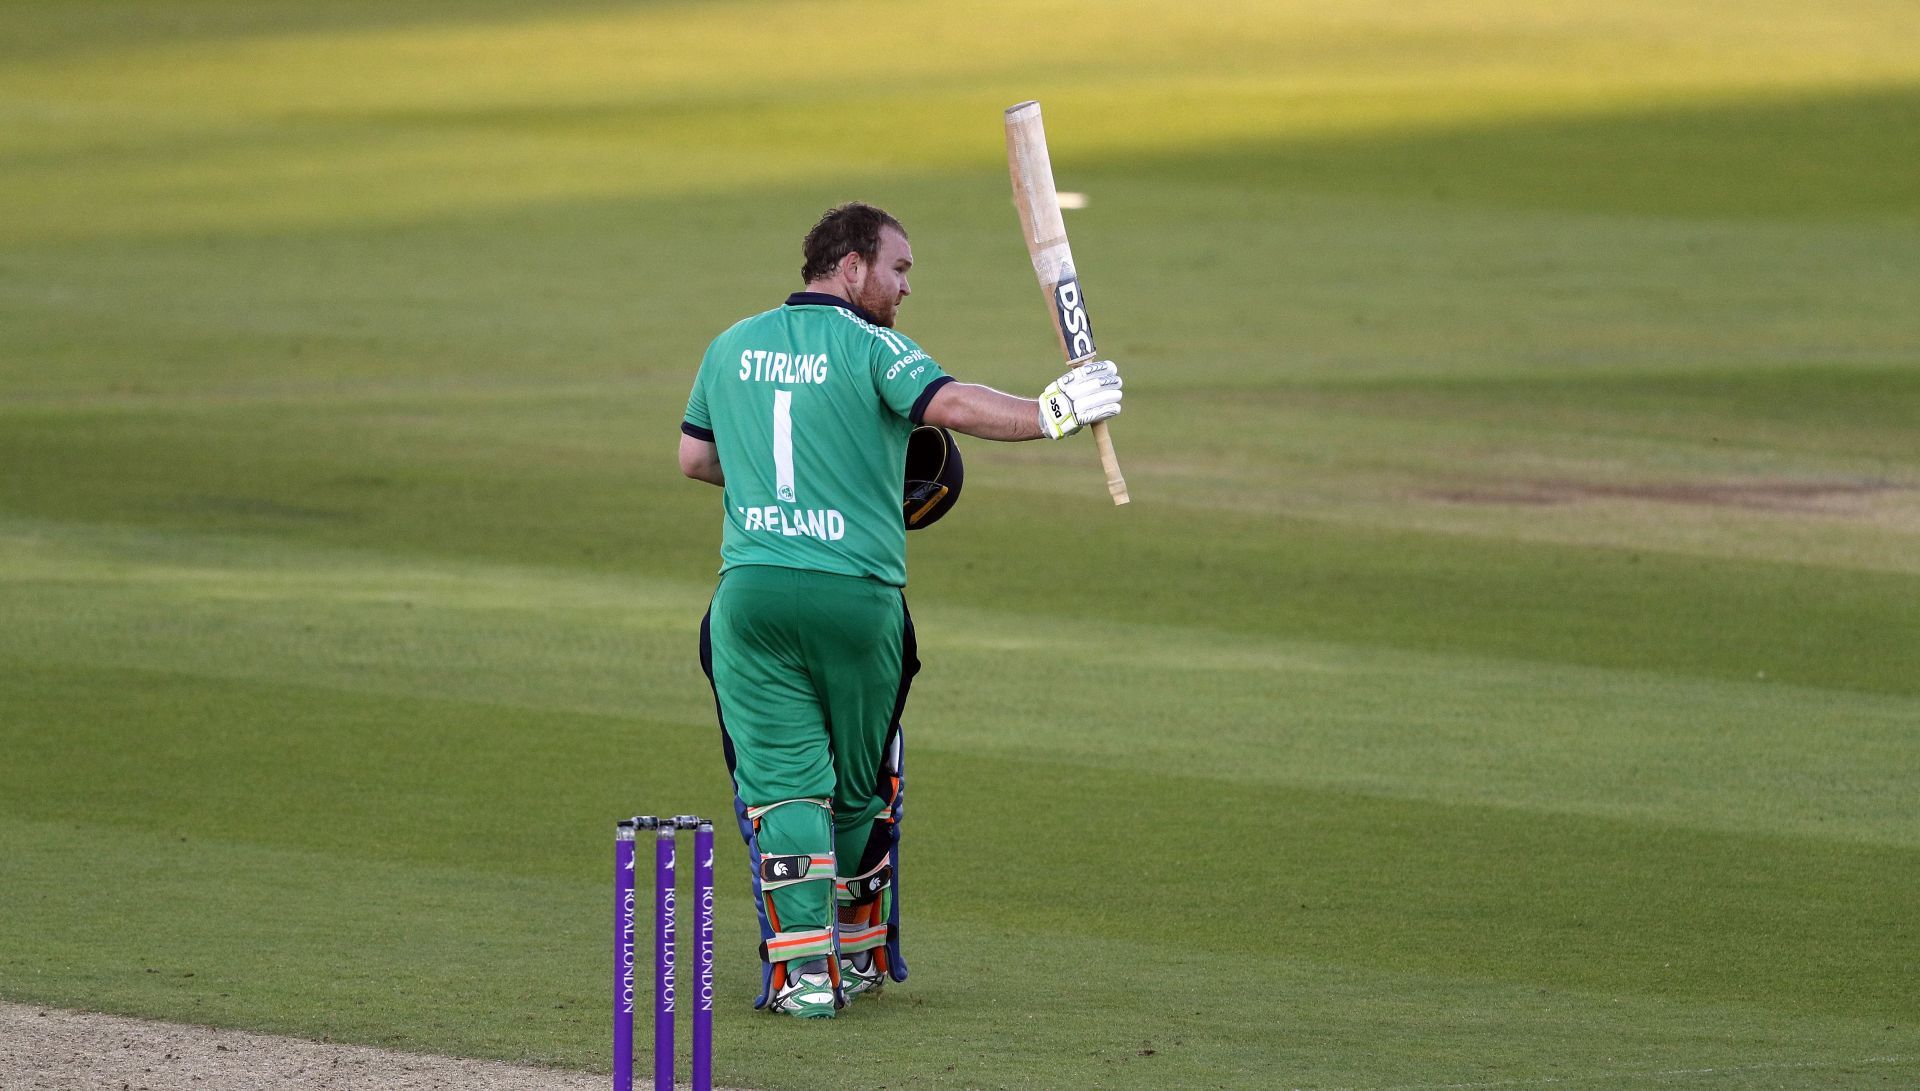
{"points": [[934, 475]]}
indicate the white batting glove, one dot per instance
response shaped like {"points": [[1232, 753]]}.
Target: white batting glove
{"points": [[1086, 395]]}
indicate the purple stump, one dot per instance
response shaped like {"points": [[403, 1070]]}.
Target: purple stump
{"points": [[703, 957], [623, 956], [663, 955]]}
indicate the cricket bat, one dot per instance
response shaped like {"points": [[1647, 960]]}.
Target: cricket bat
{"points": [[1039, 205]]}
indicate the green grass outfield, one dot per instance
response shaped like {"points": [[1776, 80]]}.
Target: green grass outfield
{"points": [[1507, 676]]}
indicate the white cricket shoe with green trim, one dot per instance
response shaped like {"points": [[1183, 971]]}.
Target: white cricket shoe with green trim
{"points": [[860, 974], [808, 993]]}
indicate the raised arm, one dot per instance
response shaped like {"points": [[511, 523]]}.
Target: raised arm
{"points": [[1082, 396], [982, 411]]}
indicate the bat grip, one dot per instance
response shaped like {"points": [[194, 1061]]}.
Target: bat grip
{"points": [[1110, 462], [1116, 485]]}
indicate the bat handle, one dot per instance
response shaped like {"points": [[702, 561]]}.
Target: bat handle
{"points": [[1116, 485]]}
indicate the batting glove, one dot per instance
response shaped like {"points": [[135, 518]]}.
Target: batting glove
{"points": [[1086, 395]]}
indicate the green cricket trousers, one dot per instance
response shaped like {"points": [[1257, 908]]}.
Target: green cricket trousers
{"points": [[810, 671]]}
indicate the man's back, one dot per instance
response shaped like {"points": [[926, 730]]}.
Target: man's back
{"points": [[810, 406]]}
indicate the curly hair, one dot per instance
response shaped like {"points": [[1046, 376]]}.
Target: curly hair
{"points": [[852, 228]]}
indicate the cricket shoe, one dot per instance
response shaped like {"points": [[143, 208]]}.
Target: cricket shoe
{"points": [[860, 974], [806, 995]]}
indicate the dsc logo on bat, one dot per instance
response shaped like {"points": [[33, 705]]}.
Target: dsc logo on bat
{"points": [[1074, 323]]}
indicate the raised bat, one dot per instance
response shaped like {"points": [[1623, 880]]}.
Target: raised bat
{"points": [[1046, 233]]}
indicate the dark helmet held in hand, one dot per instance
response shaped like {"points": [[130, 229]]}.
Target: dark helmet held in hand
{"points": [[934, 475]]}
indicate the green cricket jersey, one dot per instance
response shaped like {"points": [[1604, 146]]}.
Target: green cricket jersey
{"points": [[810, 405]]}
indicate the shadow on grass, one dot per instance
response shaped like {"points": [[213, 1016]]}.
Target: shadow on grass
{"points": [[1843, 155]]}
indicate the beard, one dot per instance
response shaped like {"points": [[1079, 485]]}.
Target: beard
{"points": [[881, 304]]}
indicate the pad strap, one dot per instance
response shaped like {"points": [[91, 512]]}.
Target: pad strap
{"points": [[862, 937], [754, 813], [802, 944], [866, 886], [777, 872]]}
